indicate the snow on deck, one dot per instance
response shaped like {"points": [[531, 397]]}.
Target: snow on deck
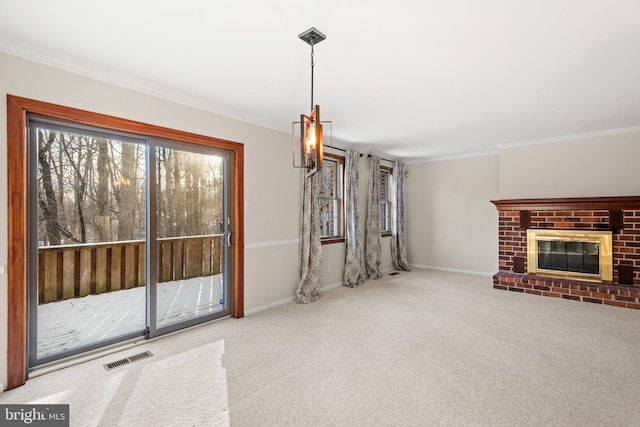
{"points": [[77, 322]]}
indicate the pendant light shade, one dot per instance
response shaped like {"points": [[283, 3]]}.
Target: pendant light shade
{"points": [[307, 134]]}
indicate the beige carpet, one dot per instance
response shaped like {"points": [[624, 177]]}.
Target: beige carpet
{"points": [[419, 348]]}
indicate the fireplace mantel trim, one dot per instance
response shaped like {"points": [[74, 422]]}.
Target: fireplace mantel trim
{"points": [[611, 203]]}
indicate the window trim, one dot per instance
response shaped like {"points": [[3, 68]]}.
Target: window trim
{"points": [[340, 238], [389, 170]]}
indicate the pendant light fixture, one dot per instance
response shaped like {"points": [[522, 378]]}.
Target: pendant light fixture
{"points": [[308, 150]]}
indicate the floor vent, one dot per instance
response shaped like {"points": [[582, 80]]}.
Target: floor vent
{"points": [[394, 273], [127, 360]]}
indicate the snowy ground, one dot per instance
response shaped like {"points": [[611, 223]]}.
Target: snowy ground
{"points": [[68, 324]]}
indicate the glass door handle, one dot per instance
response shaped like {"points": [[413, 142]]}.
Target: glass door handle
{"points": [[229, 233]]}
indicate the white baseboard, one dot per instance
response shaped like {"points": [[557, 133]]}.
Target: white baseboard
{"points": [[329, 287], [255, 310], [287, 300], [326, 288], [271, 243], [337, 285], [454, 270], [269, 306]]}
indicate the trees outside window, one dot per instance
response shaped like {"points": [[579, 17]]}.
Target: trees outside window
{"points": [[92, 189]]}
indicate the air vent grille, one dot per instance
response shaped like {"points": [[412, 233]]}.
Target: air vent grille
{"points": [[127, 360]]}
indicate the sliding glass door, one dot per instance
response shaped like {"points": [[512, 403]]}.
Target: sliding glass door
{"points": [[128, 237], [191, 233]]}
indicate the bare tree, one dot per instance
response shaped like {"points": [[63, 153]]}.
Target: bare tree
{"points": [[46, 195], [127, 204], [103, 220]]}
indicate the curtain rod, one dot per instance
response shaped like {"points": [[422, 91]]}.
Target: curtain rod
{"points": [[386, 160], [368, 155], [337, 148]]}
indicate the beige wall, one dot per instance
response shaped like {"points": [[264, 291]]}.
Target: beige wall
{"points": [[271, 185], [590, 167], [451, 223]]}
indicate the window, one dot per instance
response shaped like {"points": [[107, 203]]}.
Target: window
{"points": [[331, 198], [385, 200]]}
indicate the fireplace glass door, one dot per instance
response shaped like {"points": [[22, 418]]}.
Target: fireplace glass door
{"points": [[571, 254], [577, 257]]}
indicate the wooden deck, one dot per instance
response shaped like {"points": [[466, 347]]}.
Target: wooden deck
{"points": [[76, 322], [72, 271]]}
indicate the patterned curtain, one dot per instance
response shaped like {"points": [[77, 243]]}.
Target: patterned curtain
{"points": [[398, 235], [353, 274], [310, 244], [373, 249]]}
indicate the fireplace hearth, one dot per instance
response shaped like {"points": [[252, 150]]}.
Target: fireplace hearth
{"points": [[583, 249]]}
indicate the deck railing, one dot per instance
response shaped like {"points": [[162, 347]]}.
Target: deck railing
{"points": [[70, 271]]}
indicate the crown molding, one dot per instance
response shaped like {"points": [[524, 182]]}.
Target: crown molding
{"points": [[586, 135], [487, 153]]}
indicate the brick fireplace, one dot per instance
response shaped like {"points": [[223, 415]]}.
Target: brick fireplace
{"points": [[620, 215]]}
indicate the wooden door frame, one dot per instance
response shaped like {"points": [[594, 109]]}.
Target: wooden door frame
{"points": [[17, 110]]}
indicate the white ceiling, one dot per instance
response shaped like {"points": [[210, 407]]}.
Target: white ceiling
{"points": [[404, 79]]}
